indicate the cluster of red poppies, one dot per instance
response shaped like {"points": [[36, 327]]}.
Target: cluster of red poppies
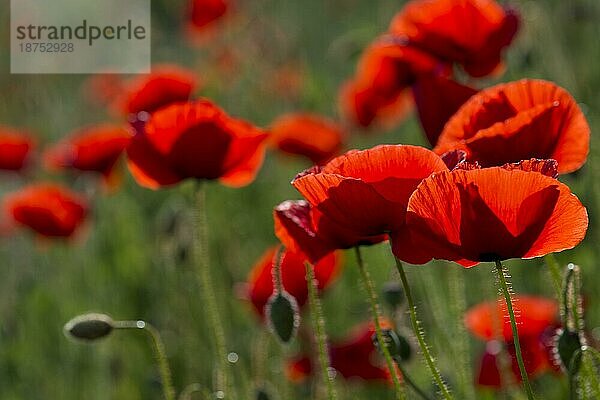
{"points": [[487, 191]]}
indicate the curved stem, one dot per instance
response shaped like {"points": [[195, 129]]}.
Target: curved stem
{"points": [[159, 353], [318, 322], [435, 372], [207, 293], [376, 315], [515, 332], [411, 383]]}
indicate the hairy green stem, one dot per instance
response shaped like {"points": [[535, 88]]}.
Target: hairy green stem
{"points": [[410, 382], [376, 315], [207, 292], [159, 353], [318, 322], [554, 268], [435, 372], [502, 279]]}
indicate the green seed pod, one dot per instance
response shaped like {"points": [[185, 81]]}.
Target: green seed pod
{"points": [[392, 294], [89, 326], [397, 345], [567, 343], [283, 315]]}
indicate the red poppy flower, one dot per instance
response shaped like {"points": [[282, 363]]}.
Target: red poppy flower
{"points": [[351, 358], [489, 321], [204, 12], [303, 229], [195, 140], [309, 135], [490, 214], [472, 33], [437, 98], [293, 276], [167, 84], [366, 192], [385, 70], [48, 209], [519, 120], [95, 148], [15, 147]]}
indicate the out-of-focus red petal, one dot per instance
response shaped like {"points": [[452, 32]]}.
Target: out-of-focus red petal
{"points": [[148, 167], [95, 148], [309, 135], [205, 12], [167, 84], [293, 274], [198, 140], [15, 148], [48, 209], [437, 98], [518, 121], [490, 320], [493, 213]]}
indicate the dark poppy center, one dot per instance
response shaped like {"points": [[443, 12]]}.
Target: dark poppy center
{"points": [[200, 151]]}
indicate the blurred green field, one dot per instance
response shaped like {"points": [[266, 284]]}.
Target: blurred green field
{"points": [[132, 262]]}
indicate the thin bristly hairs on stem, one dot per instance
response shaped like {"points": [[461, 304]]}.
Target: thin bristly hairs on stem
{"points": [[420, 334], [376, 315], [223, 380], [503, 281], [318, 322]]}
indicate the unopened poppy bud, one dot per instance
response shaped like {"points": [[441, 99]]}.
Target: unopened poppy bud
{"points": [[283, 315], [567, 344], [397, 345], [393, 294], [90, 326]]}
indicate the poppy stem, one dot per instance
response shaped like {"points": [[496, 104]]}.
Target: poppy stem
{"points": [[410, 382], [159, 353], [277, 260], [318, 322], [376, 314], [207, 293], [435, 372], [502, 279], [555, 273]]}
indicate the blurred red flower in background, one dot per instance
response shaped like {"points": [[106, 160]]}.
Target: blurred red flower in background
{"points": [[366, 192], [195, 140], [352, 358], [165, 85], [94, 148], [48, 209], [293, 276], [537, 321], [302, 228], [15, 148], [490, 214], [517, 121], [309, 135], [102, 89], [471, 33], [205, 12], [384, 71]]}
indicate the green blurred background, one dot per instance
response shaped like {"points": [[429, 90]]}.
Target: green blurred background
{"points": [[270, 57]]}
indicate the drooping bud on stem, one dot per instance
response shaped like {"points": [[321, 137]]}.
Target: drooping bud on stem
{"points": [[89, 327]]}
